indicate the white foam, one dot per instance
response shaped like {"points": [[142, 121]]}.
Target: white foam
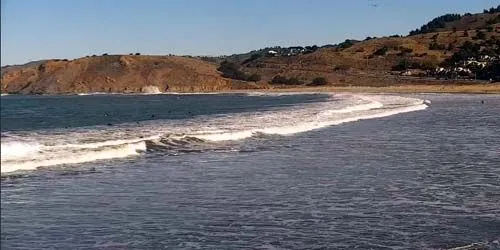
{"points": [[286, 124], [94, 145], [151, 90], [227, 136], [71, 158], [101, 93], [93, 93], [307, 126], [360, 107], [17, 149], [276, 93]]}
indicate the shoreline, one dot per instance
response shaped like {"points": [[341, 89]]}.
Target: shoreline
{"points": [[492, 88], [402, 89]]}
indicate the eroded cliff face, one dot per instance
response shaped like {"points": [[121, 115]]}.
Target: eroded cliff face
{"points": [[114, 73]]}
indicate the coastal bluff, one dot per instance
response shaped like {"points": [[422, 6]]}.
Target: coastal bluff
{"points": [[113, 74]]}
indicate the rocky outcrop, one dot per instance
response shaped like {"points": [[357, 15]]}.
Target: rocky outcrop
{"points": [[114, 73]]}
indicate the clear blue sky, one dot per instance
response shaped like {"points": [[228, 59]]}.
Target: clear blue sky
{"points": [[41, 29]]}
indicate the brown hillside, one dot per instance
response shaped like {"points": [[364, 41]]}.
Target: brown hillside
{"points": [[361, 65], [113, 73]]}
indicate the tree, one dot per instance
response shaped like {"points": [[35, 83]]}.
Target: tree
{"points": [[254, 77], [294, 81], [279, 80], [427, 65], [467, 50], [403, 64], [231, 70], [436, 46], [405, 50], [492, 10], [318, 81], [436, 23], [347, 43], [481, 35], [288, 81], [253, 57], [381, 52]]}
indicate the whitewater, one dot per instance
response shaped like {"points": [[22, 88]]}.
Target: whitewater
{"points": [[28, 150]]}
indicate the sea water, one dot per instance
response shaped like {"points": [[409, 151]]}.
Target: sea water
{"points": [[255, 171]]}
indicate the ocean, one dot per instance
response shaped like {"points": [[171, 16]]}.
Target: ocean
{"points": [[250, 171]]}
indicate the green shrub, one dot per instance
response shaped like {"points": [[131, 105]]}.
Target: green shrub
{"points": [[381, 52], [287, 81], [294, 81], [436, 46], [481, 35], [318, 81], [341, 67], [279, 80], [231, 70], [254, 77], [436, 23]]}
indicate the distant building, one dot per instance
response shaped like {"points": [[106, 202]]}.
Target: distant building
{"points": [[272, 53]]}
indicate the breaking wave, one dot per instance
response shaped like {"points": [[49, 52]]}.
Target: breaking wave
{"points": [[30, 150]]}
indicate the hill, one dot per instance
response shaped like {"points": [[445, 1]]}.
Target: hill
{"points": [[113, 73], [387, 60]]}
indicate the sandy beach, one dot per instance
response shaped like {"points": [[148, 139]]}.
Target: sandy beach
{"points": [[492, 88]]}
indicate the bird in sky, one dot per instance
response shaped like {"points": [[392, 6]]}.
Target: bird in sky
{"points": [[374, 4]]}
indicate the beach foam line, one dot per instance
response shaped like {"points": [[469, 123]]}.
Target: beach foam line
{"points": [[307, 126], [94, 145], [58, 159]]}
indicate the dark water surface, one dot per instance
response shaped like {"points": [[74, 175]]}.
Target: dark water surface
{"points": [[45, 112], [421, 180]]}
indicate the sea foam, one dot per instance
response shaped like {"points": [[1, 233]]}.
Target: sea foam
{"points": [[48, 148]]}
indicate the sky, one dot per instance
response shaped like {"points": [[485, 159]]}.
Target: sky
{"points": [[42, 29]]}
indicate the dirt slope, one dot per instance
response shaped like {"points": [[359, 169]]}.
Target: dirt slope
{"points": [[361, 65], [113, 73]]}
